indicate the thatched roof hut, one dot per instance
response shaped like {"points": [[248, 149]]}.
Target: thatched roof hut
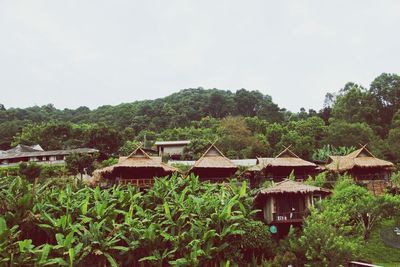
{"points": [[287, 158], [282, 166], [288, 201], [361, 158], [136, 167], [213, 165]]}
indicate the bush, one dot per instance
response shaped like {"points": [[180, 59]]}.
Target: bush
{"points": [[255, 245], [180, 221]]}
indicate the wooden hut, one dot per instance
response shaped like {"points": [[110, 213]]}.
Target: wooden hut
{"points": [[288, 201], [364, 167], [213, 166], [282, 166], [138, 169]]}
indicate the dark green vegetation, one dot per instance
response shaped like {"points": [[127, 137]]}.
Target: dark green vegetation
{"points": [[245, 123], [181, 222], [178, 222], [345, 227]]}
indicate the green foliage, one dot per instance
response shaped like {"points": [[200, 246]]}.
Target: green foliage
{"points": [[395, 179], [181, 167], [180, 221], [342, 133], [323, 153], [30, 171], [237, 140], [326, 244], [80, 163], [128, 147], [108, 162], [256, 243], [319, 180], [376, 251]]}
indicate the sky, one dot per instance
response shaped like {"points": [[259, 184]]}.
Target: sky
{"points": [[91, 52]]}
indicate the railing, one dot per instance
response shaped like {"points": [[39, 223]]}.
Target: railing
{"points": [[288, 216], [137, 182], [368, 177], [362, 264], [37, 162], [298, 178]]}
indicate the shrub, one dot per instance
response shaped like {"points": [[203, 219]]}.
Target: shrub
{"points": [[256, 244]]}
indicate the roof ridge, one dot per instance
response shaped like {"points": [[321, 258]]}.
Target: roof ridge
{"points": [[197, 163], [287, 150], [139, 148]]}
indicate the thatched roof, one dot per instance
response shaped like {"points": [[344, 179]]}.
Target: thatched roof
{"points": [[137, 159], [213, 158], [286, 158], [361, 158], [289, 186]]}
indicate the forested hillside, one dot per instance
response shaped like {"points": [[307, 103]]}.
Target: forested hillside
{"points": [[245, 123]]}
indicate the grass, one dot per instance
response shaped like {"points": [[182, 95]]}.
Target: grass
{"points": [[378, 252]]}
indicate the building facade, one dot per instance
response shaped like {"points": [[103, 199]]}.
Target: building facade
{"points": [[22, 153]]}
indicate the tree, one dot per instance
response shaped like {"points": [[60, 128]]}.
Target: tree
{"points": [[128, 147], [235, 136], [106, 139], [30, 172], [274, 134], [386, 91], [341, 133], [392, 142], [324, 152], [50, 135], [219, 105], [80, 163], [354, 104], [364, 209], [2, 108], [304, 136], [395, 179], [326, 242]]}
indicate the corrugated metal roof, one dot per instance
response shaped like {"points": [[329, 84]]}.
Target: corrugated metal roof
{"points": [[171, 143], [16, 154], [237, 162]]}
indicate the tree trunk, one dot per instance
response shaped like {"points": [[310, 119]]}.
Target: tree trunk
{"points": [[366, 235], [34, 187]]}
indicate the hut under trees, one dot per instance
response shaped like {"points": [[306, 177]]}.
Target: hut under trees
{"points": [[213, 166], [364, 167], [279, 168], [288, 202], [138, 169]]}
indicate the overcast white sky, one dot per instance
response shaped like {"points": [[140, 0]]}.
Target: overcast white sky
{"points": [[92, 53]]}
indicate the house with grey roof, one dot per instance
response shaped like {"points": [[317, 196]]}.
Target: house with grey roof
{"points": [[173, 149], [35, 153]]}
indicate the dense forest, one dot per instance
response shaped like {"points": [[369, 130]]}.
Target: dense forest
{"points": [[245, 123]]}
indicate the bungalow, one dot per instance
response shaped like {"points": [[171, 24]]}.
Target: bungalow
{"points": [[138, 169], [288, 202], [23, 153], [213, 166], [280, 168], [173, 149], [364, 167]]}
